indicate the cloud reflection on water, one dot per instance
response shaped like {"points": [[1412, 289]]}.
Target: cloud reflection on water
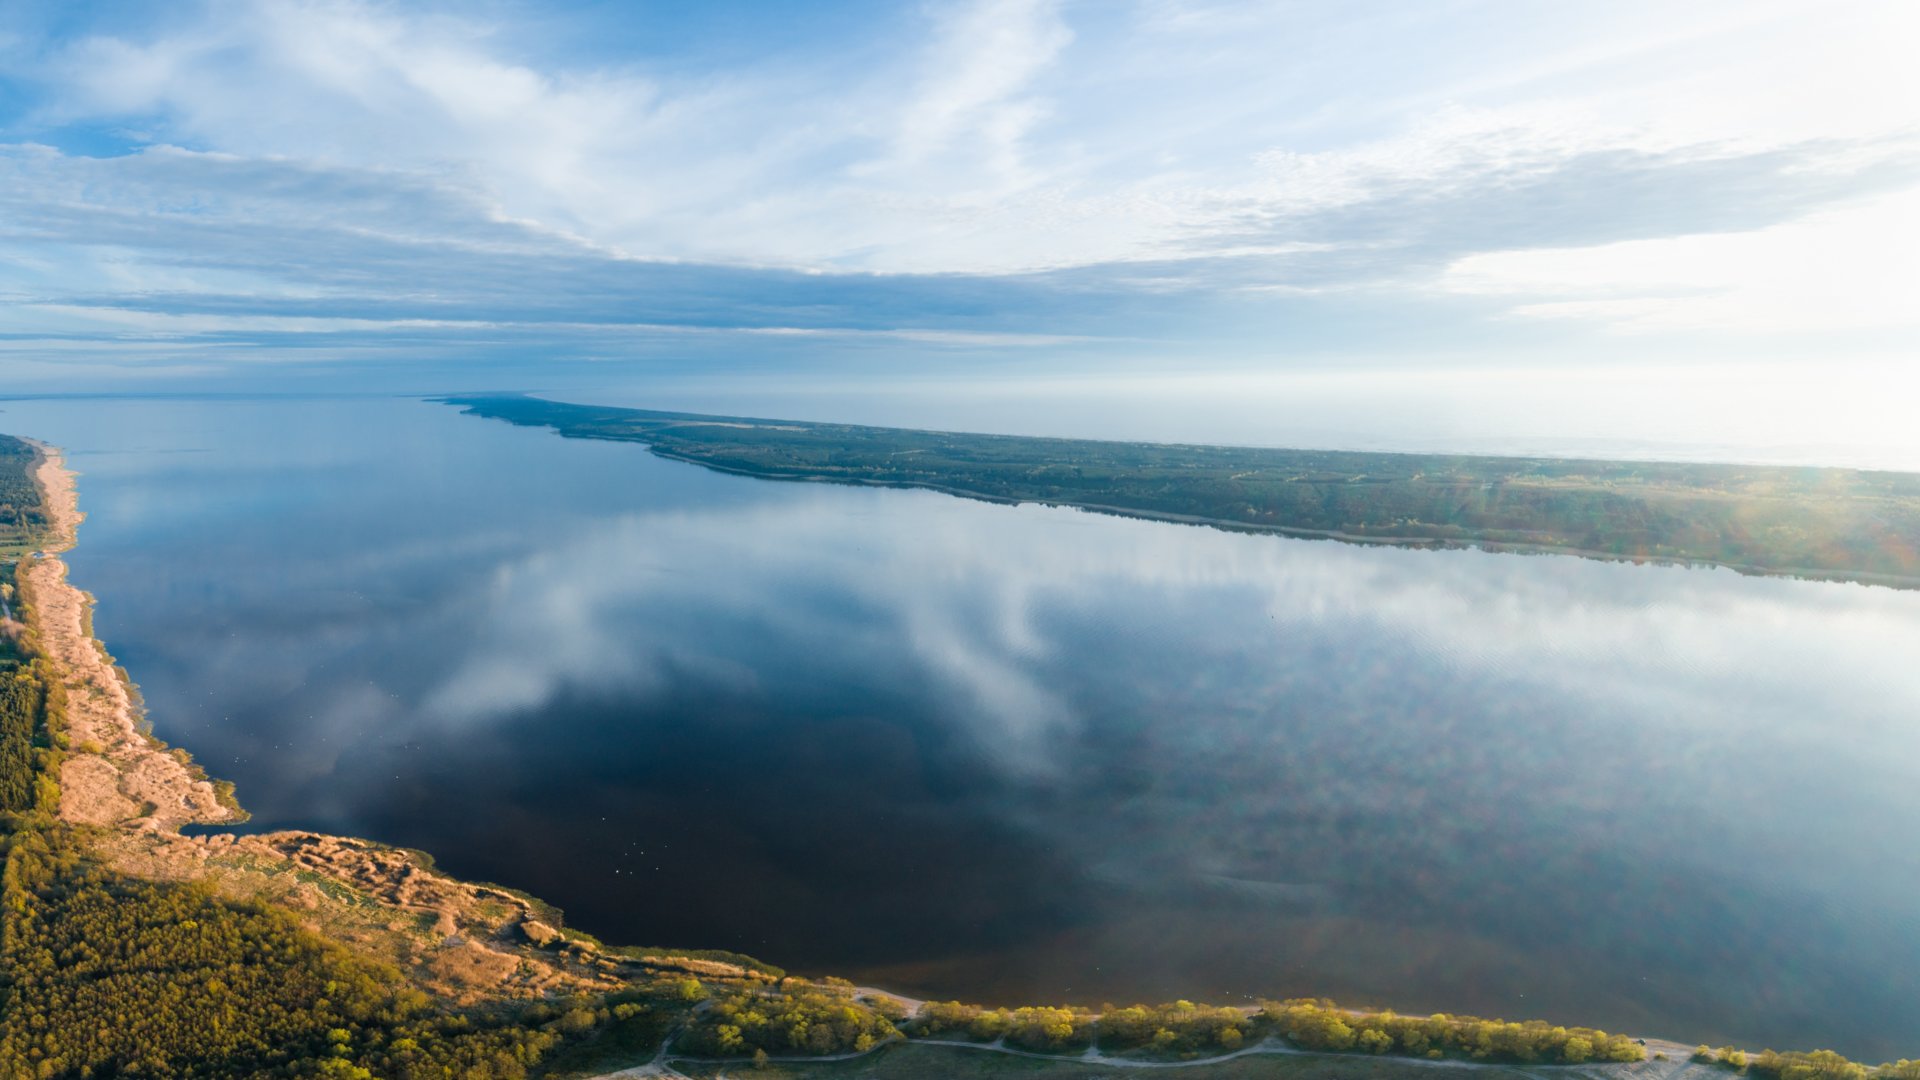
{"points": [[1188, 719]]}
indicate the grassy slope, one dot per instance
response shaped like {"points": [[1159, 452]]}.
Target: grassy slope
{"points": [[1838, 523]]}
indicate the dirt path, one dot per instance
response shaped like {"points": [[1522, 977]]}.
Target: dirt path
{"points": [[1090, 1056], [1675, 1067], [115, 775]]}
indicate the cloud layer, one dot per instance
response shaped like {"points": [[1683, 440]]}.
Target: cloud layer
{"points": [[1007, 184]]}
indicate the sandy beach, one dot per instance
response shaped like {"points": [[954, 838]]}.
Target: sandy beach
{"points": [[115, 774]]}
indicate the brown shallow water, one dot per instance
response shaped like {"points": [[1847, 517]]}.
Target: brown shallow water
{"points": [[1025, 753]]}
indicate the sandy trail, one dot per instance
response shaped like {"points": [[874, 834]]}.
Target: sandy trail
{"points": [[1675, 1065], [61, 499], [115, 775]]}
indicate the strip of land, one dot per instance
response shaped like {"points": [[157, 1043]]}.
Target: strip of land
{"points": [[1838, 524]]}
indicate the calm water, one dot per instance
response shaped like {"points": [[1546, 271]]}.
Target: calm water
{"points": [[1025, 754]]}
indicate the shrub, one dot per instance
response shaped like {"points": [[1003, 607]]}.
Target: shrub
{"points": [[806, 1021]]}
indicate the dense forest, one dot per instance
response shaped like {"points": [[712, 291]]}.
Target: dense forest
{"points": [[32, 716], [104, 975], [22, 518], [801, 1019], [1840, 523], [21, 698], [1322, 1025], [1184, 1029]]}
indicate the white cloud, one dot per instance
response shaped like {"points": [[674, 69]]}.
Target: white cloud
{"points": [[1006, 139], [1853, 268], [974, 93]]}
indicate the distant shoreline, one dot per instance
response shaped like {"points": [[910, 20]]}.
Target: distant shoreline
{"points": [[1810, 523], [1424, 543]]}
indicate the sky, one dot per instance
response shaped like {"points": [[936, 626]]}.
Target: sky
{"points": [[1648, 206]]}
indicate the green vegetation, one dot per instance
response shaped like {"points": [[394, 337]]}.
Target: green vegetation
{"points": [[629, 1028], [21, 699], [1038, 1028], [23, 519], [1729, 1056], [1185, 1029], [1824, 1065], [1322, 1025], [23, 524], [107, 975], [1181, 1027], [33, 739], [1837, 523], [804, 1019]]}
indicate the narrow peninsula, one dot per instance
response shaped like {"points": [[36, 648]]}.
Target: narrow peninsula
{"points": [[1834, 524]]}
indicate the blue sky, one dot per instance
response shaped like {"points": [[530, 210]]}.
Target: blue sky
{"points": [[274, 193]]}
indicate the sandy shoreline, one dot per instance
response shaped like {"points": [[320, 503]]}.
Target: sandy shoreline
{"points": [[58, 495], [115, 774]]}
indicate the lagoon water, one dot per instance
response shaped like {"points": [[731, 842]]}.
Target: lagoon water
{"points": [[1024, 754]]}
